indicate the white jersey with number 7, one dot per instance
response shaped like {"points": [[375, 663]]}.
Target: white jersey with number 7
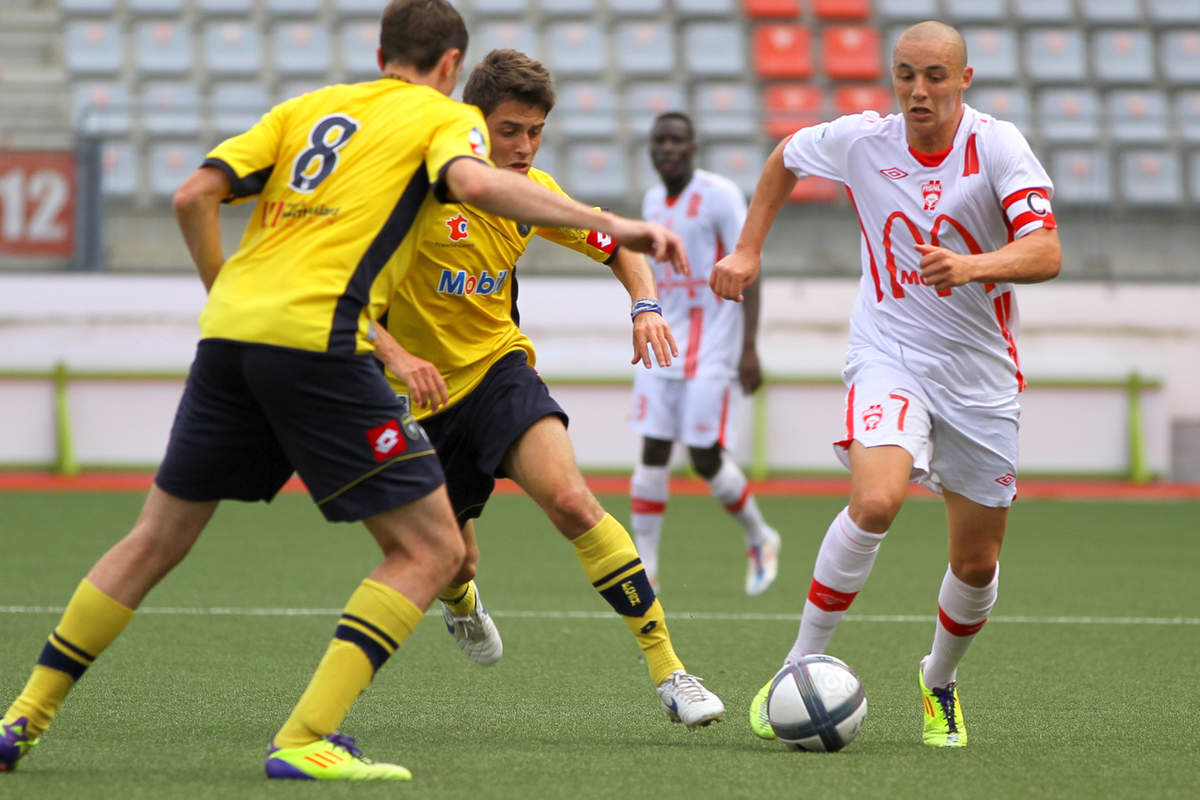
{"points": [[986, 191]]}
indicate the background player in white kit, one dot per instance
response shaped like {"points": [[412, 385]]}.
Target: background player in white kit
{"points": [[694, 400], [954, 208]]}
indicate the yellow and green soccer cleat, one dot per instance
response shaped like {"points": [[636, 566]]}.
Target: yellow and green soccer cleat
{"points": [[14, 743], [760, 723], [944, 726], [334, 758]]}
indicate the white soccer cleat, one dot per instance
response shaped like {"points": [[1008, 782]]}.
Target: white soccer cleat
{"points": [[763, 563], [685, 700], [476, 633]]}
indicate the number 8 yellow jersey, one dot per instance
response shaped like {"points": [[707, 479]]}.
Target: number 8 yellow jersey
{"points": [[343, 178]]}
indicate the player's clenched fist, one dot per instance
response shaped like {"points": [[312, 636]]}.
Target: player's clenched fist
{"points": [[733, 273]]}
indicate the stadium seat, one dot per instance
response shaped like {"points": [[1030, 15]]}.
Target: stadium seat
{"points": [[1122, 55], [357, 42], [231, 47], [1081, 177], [168, 163], [741, 163], [568, 8], [1003, 102], [1180, 52], [500, 35], [851, 52], [645, 47], [854, 99], [1111, 10], [714, 49], [1187, 114], [225, 6], [992, 52], [595, 172], [576, 48], [842, 9], [632, 8], [300, 48], [102, 107], [645, 101], [1150, 177], [788, 107], [154, 6], [92, 47], [706, 8], [298, 86], [1069, 114], [725, 111], [169, 108], [372, 9], [813, 190], [1043, 10], [783, 51], [975, 11], [499, 8], [119, 173], [547, 159], [914, 10], [162, 47], [1171, 11], [586, 110], [234, 106], [1137, 115], [765, 9], [87, 6], [294, 7], [1194, 177], [1055, 55]]}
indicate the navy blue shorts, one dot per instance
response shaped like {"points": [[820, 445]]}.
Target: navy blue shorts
{"points": [[473, 436], [252, 414]]}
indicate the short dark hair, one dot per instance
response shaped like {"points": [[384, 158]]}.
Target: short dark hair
{"points": [[509, 75], [676, 115], [417, 33]]}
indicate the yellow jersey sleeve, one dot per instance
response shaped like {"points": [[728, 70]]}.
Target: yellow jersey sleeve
{"points": [[593, 244]]}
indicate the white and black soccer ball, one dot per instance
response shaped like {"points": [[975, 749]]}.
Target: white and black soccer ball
{"points": [[818, 704]]}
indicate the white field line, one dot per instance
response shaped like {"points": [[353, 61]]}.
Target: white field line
{"points": [[675, 615]]}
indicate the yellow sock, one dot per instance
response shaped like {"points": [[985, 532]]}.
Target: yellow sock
{"points": [[377, 619], [90, 623], [611, 562], [459, 599]]}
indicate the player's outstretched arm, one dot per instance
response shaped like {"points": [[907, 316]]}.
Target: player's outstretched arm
{"points": [[651, 333], [1033, 258], [197, 205], [508, 194], [735, 272], [425, 384]]}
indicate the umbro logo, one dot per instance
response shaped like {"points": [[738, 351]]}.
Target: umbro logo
{"points": [[895, 173], [1007, 480]]}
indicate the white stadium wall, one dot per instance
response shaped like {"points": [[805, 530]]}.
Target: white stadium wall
{"points": [[125, 342]]}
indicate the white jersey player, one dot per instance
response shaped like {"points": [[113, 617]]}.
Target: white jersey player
{"points": [[694, 400], [954, 208]]}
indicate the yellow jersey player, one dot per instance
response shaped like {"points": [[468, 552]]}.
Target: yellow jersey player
{"points": [[458, 311], [284, 380]]}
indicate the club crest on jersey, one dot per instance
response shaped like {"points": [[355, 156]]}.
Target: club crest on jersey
{"points": [[932, 192], [478, 142], [458, 228], [872, 416], [601, 241], [459, 282]]}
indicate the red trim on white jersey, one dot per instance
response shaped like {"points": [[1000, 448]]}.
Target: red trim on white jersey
{"points": [[722, 430], [692, 358], [971, 158], [845, 443], [1027, 210], [867, 241], [1003, 306], [930, 159]]}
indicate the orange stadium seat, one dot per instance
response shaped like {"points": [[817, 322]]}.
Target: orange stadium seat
{"points": [[788, 107], [763, 9], [783, 51], [813, 190], [853, 99], [851, 52], [842, 9]]}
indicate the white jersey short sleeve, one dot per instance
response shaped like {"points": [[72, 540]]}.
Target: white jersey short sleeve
{"points": [[708, 216], [987, 190]]}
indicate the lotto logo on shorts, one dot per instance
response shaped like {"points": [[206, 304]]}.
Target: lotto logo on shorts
{"points": [[386, 440], [872, 417], [601, 241]]}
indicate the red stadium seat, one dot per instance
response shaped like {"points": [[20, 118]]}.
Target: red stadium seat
{"points": [[853, 99], [813, 190], [842, 9], [788, 107], [783, 51], [771, 8], [851, 52]]}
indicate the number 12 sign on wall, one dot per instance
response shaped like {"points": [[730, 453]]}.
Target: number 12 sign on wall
{"points": [[37, 203]]}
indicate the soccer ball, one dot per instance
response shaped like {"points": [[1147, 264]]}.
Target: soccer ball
{"points": [[818, 704]]}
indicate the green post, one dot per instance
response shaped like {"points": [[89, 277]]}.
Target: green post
{"points": [[66, 464], [1138, 471]]}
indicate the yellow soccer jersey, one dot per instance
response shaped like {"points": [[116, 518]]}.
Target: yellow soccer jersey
{"points": [[458, 307], [343, 177]]}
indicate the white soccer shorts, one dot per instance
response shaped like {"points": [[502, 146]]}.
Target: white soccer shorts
{"points": [[699, 411]]}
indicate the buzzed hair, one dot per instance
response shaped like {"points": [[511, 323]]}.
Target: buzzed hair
{"points": [[933, 30], [417, 33], [509, 75], [676, 115]]}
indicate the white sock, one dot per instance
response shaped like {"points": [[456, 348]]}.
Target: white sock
{"points": [[844, 561], [962, 610], [731, 489], [648, 493]]}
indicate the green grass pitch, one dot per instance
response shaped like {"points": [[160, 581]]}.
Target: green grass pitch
{"points": [[1083, 684]]}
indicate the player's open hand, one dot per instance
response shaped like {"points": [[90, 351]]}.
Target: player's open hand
{"points": [[652, 333], [733, 273], [425, 384], [648, 237], [944, 269]]}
